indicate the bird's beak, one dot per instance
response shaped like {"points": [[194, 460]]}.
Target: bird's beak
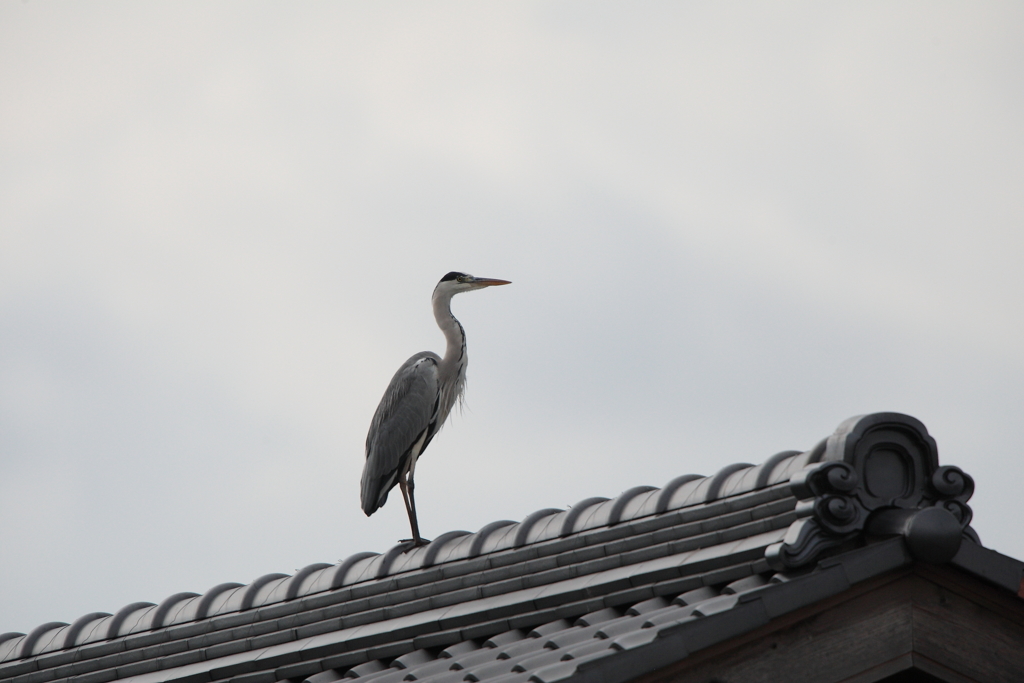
{"points": [[489, 282]]}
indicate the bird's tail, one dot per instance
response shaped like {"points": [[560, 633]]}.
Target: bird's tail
{"points": [[372, 494]]}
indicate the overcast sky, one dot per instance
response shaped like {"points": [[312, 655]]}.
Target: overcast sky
{"points": [[729, 227]]}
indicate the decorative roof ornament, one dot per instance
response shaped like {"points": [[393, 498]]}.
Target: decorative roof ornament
{"points": [[878, 474]]}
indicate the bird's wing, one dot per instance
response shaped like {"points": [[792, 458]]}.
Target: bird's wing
{"points": [[406, 411]]}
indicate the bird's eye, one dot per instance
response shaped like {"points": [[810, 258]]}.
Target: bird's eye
{"points": [[461, 278]]}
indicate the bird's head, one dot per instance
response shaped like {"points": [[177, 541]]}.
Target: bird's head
{"points": [[456, 283]]}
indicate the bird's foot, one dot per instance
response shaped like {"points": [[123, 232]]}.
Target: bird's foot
{"points": [[413, 543]]}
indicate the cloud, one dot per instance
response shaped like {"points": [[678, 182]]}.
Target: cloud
{"points": [[728, 228]]}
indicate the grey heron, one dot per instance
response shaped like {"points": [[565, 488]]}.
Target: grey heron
{"points": [[416, 404]]}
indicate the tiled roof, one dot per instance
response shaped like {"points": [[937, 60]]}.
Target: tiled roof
{"points": [[605, 586]]}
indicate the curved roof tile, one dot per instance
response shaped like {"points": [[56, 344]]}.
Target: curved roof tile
{"points": [[114, 626], [337, 577], [725, 482], [295, 584], [166, 607], [40, 637], [139, 620], [271, 591], [210, 596], [669, 490], [482, 538], [574, 513], [384, 568], [95, 631], [254, 588], [364, 569], [228, 601], [618, 509], [9, 643], [527, 525], [78, 628], [541, 526], [439, 544], [765, 469]]}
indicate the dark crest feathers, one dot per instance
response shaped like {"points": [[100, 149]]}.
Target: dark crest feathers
{"points": [[452, 275]]}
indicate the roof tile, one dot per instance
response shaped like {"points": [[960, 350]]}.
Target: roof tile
{"points": [[485, 629], [488, 670], [328, 676], [504, 638], [696, 547], [587, 648], [540, 659], [427, 670], [446, 677], [571, 636], [512, 678], [599, 616], [474, 659]]}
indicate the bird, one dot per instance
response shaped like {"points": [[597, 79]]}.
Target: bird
{"points": [[416, 405]]}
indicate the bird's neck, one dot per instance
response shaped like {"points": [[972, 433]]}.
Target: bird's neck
{"points": [[454, 335]]}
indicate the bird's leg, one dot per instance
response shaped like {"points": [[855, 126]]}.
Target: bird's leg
{"points": [[410, 507], [416, 539], [414, 520]]}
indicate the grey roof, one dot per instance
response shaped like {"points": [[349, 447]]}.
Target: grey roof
{"points": [[606, 589]]}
